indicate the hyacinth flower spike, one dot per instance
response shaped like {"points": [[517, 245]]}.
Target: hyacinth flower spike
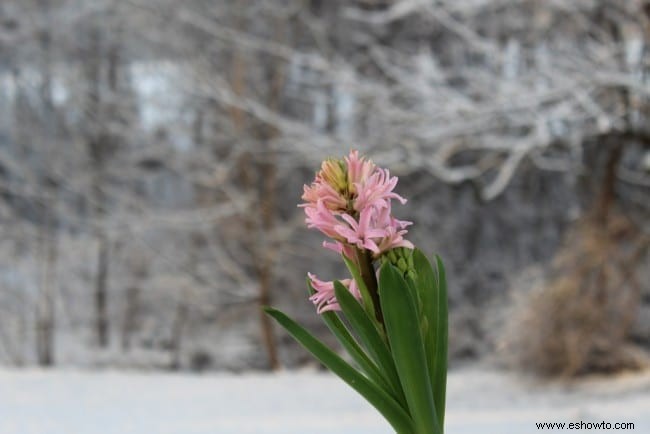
{"points": [[390, 314]]}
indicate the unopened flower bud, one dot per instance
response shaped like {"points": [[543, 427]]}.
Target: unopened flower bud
{"points": [[334, 173], [402, 259]]}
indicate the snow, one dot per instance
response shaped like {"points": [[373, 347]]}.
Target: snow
{"points": [[306, 402]]}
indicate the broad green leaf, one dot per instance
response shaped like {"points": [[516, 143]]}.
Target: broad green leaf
{"points": [[405, 338], [378, 398], [427, 288], [433, 295], [370, 338], [348, 342], [440, 331]]}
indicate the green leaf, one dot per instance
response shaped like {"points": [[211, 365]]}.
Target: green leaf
{"points": [[431, 286], [370, 338], [366, 298], [427, 284], [378, 398], [441, 332], [405, 338], [348, 342]]}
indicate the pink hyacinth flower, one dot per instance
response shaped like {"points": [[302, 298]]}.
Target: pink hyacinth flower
{"points": [[324, 297], [321, 191], [321, 218], [394, 238], [359, 169], [361, 233], [350, 202], [395, 231], [340, 248], [385, 219], [376, 191]]}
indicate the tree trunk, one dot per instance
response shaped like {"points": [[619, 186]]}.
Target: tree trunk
{"points": [[131, 313], [264, 299], [45, 320], [607, 193], [257, 225], [266, 255], [101, 300], [177, 334]]}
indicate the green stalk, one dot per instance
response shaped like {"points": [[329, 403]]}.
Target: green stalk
{"points": [[356, 275], [364, 258]]}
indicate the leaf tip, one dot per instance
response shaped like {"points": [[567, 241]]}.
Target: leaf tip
{"points": [[269, 310]]}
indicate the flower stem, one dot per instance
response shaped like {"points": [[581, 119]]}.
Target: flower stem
{"points": [[364, 258]]}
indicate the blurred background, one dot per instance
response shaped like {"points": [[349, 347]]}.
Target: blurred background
{"points": [[153, 152]]}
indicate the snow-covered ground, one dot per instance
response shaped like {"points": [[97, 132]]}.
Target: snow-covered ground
{"points": [[479, 401]]}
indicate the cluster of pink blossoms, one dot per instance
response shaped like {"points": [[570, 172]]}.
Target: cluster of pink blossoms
{"points": [[350, 202]]}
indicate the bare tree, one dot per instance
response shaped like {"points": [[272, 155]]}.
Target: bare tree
{"points": [[156, 123]]}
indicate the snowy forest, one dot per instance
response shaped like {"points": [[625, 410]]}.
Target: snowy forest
{"points": [[153, 153]]}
